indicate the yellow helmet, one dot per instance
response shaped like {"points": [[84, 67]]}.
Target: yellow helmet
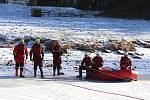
{"points": [[37, 41], [86, 54], [22, 41]]}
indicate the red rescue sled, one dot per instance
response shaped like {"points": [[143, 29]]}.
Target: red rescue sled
{"points": [[112, 75]]}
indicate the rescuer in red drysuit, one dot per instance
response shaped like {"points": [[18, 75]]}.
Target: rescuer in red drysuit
{"points": [[85, 64], [19, 52], [97, 61], [125, 62], [38, 55], [57, 52]]}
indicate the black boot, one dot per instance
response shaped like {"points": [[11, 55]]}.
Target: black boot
{"points": [[54, 70], [34, 73], [58, 71], [21, 72], [41, 72], [16, 72], [35, 69]]}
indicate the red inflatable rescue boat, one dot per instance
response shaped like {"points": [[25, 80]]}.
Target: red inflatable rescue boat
{"points": [[111, 75]]}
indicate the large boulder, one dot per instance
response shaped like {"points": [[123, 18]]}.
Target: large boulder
{"points": [[89, 47], [120, 45]]}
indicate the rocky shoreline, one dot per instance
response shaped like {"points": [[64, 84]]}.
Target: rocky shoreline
{"points": [[106, 46]]}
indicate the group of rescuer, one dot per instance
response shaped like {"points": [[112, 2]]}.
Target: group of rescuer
{"points": [[92, 65], [20, 53]]}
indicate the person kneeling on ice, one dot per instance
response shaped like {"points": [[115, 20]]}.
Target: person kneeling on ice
{"points": [[57, 52], [97, 62], [38, 56], [125, 62], [19, 53], [85, 64]]}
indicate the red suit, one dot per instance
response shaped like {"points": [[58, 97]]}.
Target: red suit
{"points": [[125, 63], [97, 62], [38, 55], [19, 52], [57, 52], [37, 52], [86, 62]]}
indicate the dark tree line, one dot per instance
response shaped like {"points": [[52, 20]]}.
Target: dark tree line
{"points": [[51, 2], [114, 4], [98, 4], [118, 8]]}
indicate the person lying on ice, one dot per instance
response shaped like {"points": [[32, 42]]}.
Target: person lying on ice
{"points": [[125, 62], [97, 62], [38, 55], [19, 53], [57, 52], [85, 64]]}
